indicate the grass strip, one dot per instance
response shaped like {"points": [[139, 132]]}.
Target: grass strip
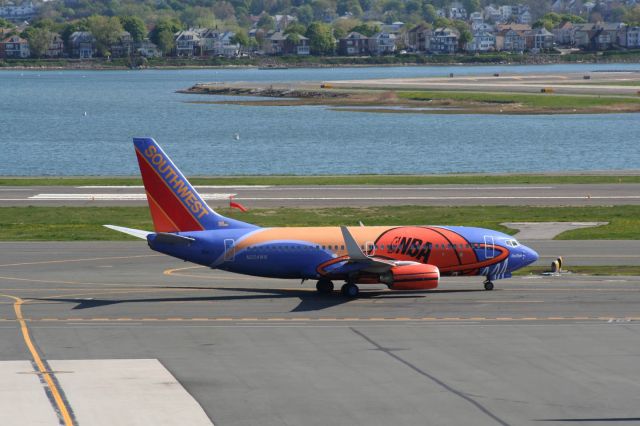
{"points": [[464, 179], [541, 100], [602, 270], [85, 223]]}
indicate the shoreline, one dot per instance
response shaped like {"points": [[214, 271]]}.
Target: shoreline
{"points": [[99, 64]]}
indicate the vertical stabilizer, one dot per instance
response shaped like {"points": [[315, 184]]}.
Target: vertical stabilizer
{"points": [[175, 205]]}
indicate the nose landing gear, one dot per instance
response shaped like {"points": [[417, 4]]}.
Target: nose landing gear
{"points": [[488, 285]]}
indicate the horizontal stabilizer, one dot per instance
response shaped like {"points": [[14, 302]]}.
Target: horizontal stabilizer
{"points": [[138, 233], [166, 238]]}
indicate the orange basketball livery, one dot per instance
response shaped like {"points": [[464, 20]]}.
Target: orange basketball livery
{"points": [[400, 257]]}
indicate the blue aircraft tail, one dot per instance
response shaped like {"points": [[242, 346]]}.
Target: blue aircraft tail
{"points": [[175, 205]]}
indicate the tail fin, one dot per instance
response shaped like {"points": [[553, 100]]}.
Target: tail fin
{"points": [[175, 205]]}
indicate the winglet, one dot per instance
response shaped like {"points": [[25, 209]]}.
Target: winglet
{"points": [[138, 233], [353, 249]]}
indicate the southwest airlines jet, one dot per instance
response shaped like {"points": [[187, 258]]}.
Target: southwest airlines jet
{"points": [[401, 257]]}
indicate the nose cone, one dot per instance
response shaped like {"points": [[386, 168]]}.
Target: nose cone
{"points": [[530, 255]]}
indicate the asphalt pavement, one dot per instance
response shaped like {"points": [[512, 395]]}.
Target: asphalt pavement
{"points": [[537, 350], [257, 196]]}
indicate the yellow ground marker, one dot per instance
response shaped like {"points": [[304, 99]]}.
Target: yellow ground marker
{"points": [[63, 410]]}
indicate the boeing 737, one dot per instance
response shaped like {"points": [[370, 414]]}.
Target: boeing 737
{"points": [[401, 257]]}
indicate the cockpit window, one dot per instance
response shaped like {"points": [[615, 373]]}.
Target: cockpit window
{"points": [[512, 243]]}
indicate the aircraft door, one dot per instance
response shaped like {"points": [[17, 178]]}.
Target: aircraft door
{"points": [[229, 250], [489, 247]]}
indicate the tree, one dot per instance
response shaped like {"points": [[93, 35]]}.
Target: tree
{"points": [[430, 13], [366, 29], [632, 16], [471, 5], [39, 40], [266, 22], [162, 34], [240, 38], [305, 14], [295, 28], [321, 39], [543, 23], [465, 33], [134, 26], [105, 30]]}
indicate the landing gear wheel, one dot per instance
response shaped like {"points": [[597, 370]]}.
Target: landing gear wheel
{"points": [[488, 285], [324, 286], [350, 290]]}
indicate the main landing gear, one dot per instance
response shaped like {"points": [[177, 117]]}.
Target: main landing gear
{"points": [[488, 285], [324, 286], [350, 290]]}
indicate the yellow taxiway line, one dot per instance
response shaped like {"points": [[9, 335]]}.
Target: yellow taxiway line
{"points": [[61, 406]]}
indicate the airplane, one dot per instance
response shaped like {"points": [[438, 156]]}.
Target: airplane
{"points": [[401, 257]]}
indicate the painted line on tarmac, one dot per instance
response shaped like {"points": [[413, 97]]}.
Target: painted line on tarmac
{"points": [[113, 197], [53, 390], [196, 186], [444, 198], [80, 260], [244, 320]]}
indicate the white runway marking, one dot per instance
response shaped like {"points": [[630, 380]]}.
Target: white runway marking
{"points": [[196, 186], [23, 400], [126, 392], [113, 197], [621, 197]]}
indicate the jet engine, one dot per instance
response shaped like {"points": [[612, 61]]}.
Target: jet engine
{"points": [[412, 277]]}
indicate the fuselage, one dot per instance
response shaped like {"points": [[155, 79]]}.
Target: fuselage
{"points": [[320, 252]]}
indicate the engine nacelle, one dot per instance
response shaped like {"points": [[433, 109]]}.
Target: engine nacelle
{"points": [[412, 277]]}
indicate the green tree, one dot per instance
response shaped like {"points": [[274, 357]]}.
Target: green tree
{"points": [[134, 26], [295, 28], [366, 29], [465, 33], [106, 31], [266, 22], [430, 13], [241, 38], [471, 5], [39, 40], [321, 39], [305, 14], [632, 16], [163, 34], [544, 23]]}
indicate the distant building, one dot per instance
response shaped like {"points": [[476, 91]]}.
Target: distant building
{"points": [[123, 47], [382, 43], [444, 40], [24, 12], [188, 42], [217, 43], [280, 43], [564, 34], [539, 39], [15, 47], [418, 39], [148, 49], [482, 41], [82, 44], [56, 47], [629, 37], [354, 44]]}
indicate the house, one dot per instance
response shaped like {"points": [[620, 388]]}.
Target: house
{"points": [[629, 37], [482, 41], [56, 47], [418, 39], [512, 37], [23, 12], [563, 34], [148, 49], [219, 43], [382, 43], [15, 47], [598, 36], [457, 11], [123, 47], [444, 40], [354, 44], [188, 42], [279, 43], [539, 39], [83, 45]]}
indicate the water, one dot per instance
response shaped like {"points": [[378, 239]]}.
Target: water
{"points": [[44, 130]]}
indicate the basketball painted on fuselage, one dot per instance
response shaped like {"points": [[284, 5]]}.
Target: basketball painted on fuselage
{"points": [[402, 257]]}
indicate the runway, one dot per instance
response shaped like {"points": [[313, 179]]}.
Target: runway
{"points": [[552, 351], [334, 196]]}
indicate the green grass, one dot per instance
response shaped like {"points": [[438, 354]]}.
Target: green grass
{"points": [[541, 100], [85, 223], [588, 270], [471, 179]]}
